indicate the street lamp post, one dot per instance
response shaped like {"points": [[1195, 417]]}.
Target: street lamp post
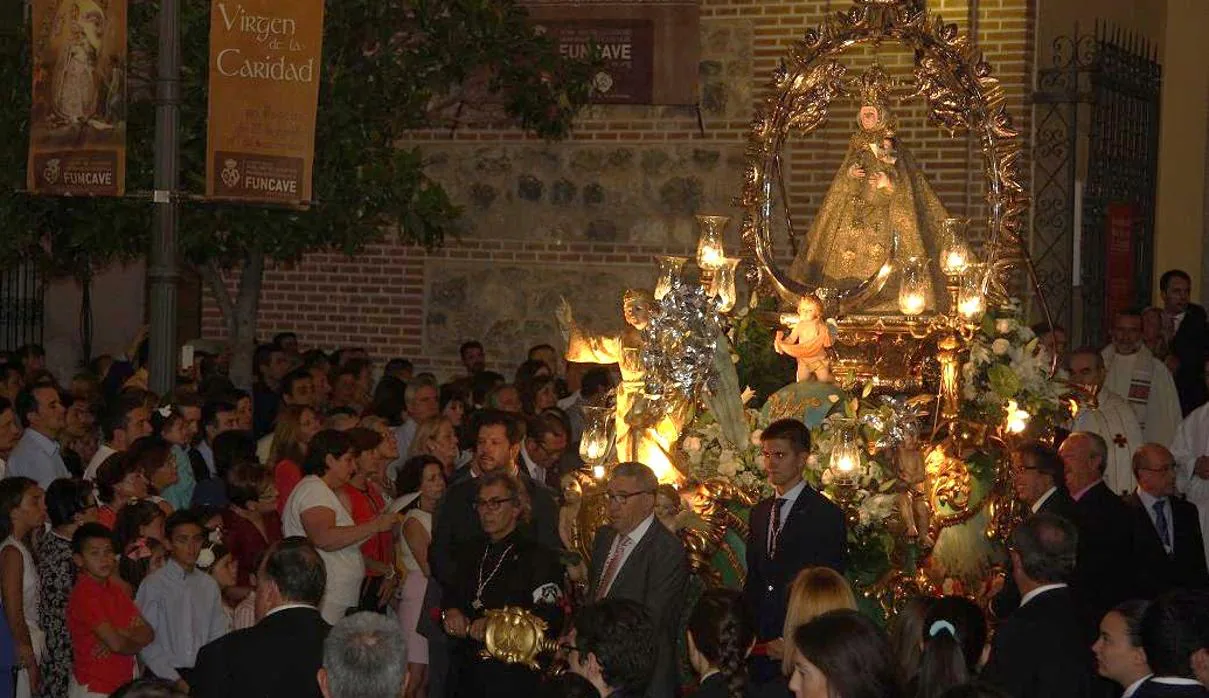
{"points": [[163, 272]]}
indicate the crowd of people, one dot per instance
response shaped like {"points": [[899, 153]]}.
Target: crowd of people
{"points": [[344, 531]]}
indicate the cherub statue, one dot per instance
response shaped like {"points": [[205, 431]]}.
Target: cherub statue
{"points": [[913, 499], [808, 341]]}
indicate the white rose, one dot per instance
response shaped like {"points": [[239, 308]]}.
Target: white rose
{"points": [[692, 444], [728, 468], [1000, 346], [1005, 325]]}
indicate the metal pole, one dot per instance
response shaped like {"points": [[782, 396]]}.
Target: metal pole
{"points": [[162, 273]]}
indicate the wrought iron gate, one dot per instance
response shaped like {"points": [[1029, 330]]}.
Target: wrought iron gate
{"points": [[21, 307], [1095, 153]]}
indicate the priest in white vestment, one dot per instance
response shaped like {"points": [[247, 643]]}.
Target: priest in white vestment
{"points": [[1108, 415], [1144, 381], [1191, 452]]}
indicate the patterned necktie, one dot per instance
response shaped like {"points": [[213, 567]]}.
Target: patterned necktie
{"points": [[775, 534], [1160, 522], [611, 567]]}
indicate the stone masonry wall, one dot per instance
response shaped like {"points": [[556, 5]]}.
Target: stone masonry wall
{"points": [[584, 218]]}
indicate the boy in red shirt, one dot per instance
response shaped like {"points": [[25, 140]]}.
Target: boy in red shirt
{"points": [[106, 629]]}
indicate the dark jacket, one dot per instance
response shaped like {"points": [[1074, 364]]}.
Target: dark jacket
{"points": [[1189, 346], [1152, 689], [813, 535], [1008, 598], [654, 574], [1039, 651], [278, 657], [1104, 575], [1155, 570]]}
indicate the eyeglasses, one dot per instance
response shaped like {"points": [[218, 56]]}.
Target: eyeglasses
{"points": [[623, 497], [1166, 468], [492, 504], [568, 648]]}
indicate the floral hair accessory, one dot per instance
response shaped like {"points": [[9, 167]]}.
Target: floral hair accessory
{"points": [[165, 411], [138, 550], [205, 560]]}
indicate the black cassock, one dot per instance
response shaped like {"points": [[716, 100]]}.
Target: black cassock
{"points": [[515, 571]]}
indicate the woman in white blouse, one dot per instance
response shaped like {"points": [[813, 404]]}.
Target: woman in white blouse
{"points": [[22, 509], [313, 510]]}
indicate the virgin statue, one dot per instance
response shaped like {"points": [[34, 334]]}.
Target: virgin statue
{"points": [[878, 193], [646, 431], [76, 85]]}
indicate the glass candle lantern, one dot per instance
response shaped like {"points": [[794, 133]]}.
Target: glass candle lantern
{"points": [[912, 294], [598, 435], [724, 291], [845, 458], [670, 267], [955, 255], [711, 255], [971, 303]]}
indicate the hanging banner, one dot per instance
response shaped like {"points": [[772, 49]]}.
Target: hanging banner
{"points": [[1120, 286], [77, 143], [265, 58]]}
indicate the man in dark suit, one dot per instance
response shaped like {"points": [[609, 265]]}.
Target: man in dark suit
{"points": [[797, 528], [1187, 333], [1175, 635], [1166, 529], [1037, 478], [364, 657], [1039, 651], [635, 557], [456, 524], [1104, 576], [280, 655]]}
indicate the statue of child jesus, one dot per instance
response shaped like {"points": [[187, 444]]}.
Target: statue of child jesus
{"points": [[808, 341]]}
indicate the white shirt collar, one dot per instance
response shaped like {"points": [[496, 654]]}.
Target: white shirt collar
{"points": [[640, 530], [1133, 687], [1148, 499], [1039, 591], [1175, 681], [534, 470], [1042, 500], [286, 607], [794, 492]]}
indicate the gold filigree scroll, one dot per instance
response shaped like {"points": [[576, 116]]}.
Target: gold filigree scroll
{"points": [[957, 84]]}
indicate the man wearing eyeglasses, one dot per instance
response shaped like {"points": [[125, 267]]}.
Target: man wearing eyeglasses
{"points": [[635, 557], [1167, 529]]}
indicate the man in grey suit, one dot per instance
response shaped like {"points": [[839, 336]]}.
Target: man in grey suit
{"points": [[635, 557]]}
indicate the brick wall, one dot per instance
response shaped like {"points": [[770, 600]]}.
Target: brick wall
{"points": [[584, 218]]}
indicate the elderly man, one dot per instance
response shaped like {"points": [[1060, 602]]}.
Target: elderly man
{"points": [[422, 401], [635, 557], [1134, 374], [1167, 530], [36, 455], [1111, 417], [1039, 651], [1104, 576], [364, 657], [280, 655]]}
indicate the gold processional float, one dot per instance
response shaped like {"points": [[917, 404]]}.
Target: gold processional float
{"points": [[915, 369]]}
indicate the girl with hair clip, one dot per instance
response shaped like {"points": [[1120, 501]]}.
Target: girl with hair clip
{"points": [[217, 561], [720, 636], [140, 557], [169, 423], [954, 636]]}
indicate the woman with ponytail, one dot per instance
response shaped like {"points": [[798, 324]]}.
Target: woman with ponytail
{"points": [[720, 635], [954, 635]]}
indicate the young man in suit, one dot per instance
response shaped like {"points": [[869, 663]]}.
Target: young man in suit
{"points": [[1104, 576], [612, 646], [1167, 529], [1039, 651], [635, 557], [1037, 478], [1175, 635], [280, 656], [1187, 333], [795, 529]]}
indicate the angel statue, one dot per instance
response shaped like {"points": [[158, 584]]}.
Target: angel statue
{"points": [[879, 193], [808, 341], [646, 429]]}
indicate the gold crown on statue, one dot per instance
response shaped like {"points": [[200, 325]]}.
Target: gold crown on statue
{"points": [[874, 86]]}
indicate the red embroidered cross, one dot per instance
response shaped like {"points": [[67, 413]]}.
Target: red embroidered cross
{"points": [[1119, 440]]}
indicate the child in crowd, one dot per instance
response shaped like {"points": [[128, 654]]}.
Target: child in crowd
{"points": [[170, 424], [183, 606], [218, 562], [141, 557], [106, 629], [720, 636]]}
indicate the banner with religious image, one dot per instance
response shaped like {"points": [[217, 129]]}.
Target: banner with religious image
{"points": [[77, 143], [265, 58]]}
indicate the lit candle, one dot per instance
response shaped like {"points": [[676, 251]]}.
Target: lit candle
{"points": [[955, 262], [593, 448], [970, 306], [911, 302], [598, 472], [844, 463], [710, 255], [1017, 419]]}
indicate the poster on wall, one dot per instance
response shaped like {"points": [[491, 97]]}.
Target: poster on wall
{"points": [[1119, 284], [651, 50], [265, 58], [77, 143]]}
